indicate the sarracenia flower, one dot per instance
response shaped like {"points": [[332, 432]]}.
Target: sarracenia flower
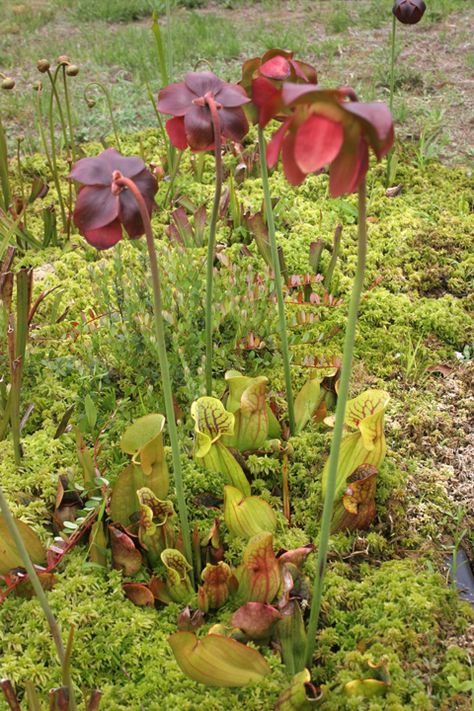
{"points": [[103, 206], [330, 127], [263, 77], [191, 101], [409, 11]]}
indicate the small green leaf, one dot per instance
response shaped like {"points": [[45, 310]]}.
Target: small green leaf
{"points": [[217, 661], [307, 402], [91, 411]]}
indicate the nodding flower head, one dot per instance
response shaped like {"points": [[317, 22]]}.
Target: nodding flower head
{"points": [[263, 78], [190, 104], [103, 204], [409, 11], [330, 127], [8, 83]]}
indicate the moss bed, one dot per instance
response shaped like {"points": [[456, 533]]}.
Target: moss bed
{"points": [[386, 593]]}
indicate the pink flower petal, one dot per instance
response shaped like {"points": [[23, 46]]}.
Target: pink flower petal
{"points": [[91, 171], [293, 174], [277, 68], [378, 123], [106, 236], [274, 147], [95, 206], [129, 166], [267, 98], [349, 169], [231, 95], [318, 141], [175, 99], [234, 124], [176, 132], [202, 82], [129, 215], [198, 127]]}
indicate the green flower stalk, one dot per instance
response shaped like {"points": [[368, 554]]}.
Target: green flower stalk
{"points": [[278, 281], [338, 427], [164, 366], [7, 84], [211, 245], [91, 103]]}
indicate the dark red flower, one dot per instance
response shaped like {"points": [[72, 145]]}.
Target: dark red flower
{"points": [[102, 208], [263, 77], [188, 102], [409, 11], [330, 127]]}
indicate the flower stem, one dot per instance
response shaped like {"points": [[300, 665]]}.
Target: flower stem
{"points": [[53, 146], [108, 99], [212, 238], [278, 281], [40, 594], [338, 427], [69, 115], [4, 177], [164, 367], [392, 89]]}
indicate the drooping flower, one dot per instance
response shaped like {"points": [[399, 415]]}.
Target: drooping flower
{"points": [[263, 77], [330, 127], [189, 103], [409, 11], [103, 207]]}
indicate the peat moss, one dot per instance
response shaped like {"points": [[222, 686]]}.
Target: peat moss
{"points": [[417, 290]]}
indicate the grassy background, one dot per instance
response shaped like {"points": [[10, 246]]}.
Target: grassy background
{"points": [[111, 41]]}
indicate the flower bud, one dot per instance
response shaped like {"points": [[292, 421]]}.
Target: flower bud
{"points": [[90, 103], [37, 86], [8, 83], [409, 12], [42, 65], [72, 70], [63, 59]]}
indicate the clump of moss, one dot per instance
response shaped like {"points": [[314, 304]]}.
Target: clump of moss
{"points": [[401, 612]]}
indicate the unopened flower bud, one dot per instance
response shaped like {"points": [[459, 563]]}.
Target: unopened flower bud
{"points": [[42, 65], [90, 103], [37, 86], [409, 11], [8, 83], [63, 59], [72, 70]]}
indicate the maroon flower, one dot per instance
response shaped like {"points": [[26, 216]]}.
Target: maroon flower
{"points": [[102, 207], [330, 127], [189, 102], [409, 11], [263, 77]]}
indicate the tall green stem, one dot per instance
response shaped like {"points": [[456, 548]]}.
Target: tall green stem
{"points": [[164, 367], [392, 88], [278, 281], [108, 99], [54, 92], [40, 594], [4, 177], [338, 427], [69, 115], [53, 146], [212, 238]]}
